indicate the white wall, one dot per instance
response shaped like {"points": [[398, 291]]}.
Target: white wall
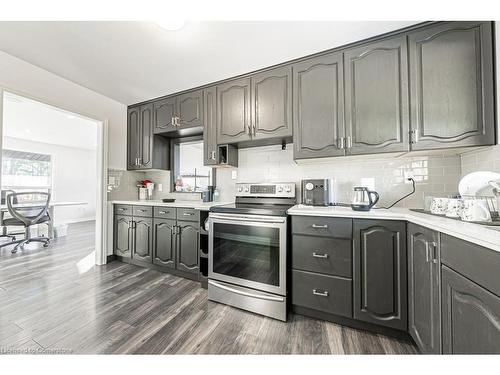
{"points": [[74, 172], [23, 78]]}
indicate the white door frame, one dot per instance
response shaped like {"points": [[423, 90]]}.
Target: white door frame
{"points": [[101, 223]]}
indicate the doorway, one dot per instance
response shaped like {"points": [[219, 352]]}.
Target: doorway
{"points": [[49, 149]]}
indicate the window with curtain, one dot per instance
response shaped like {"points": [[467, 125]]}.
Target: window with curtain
{"points": [[26, 171]]}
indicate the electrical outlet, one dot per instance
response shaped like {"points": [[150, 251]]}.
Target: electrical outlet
{"points": [[408, 175], [160, 187], [234, 174]]}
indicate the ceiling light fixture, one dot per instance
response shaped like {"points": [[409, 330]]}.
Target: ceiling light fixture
{"points": [[171, 25]]}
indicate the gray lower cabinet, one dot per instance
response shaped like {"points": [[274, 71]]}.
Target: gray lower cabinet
{"points": [[271, 104], [424, 288], [233, 111], [451, 70], [122, 236], [210, 128], [164, 240], [164, 113], [471, 316], [318, 107], [187, 258], [380, 271], [376, 97], [143, 239]]}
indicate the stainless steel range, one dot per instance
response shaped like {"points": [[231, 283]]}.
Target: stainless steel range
{"points": [[248, 249]]}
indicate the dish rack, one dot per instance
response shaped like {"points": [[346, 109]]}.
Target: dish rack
{"points": [[493, 205]]}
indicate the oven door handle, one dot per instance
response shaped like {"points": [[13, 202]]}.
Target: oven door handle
{"points": [[247, 294], [248, 218]]}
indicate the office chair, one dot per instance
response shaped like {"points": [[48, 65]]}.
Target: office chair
{"points": [[2, 213], [26, 215]]}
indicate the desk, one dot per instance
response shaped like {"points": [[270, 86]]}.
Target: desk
{"points": [[52, 206]]}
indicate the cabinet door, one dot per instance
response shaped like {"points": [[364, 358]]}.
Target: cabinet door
{"points": [[424, 288], [471, 316], [376, 97], [318, 107], [146, 136], [143, 239], [190, 109], [187, 247], [133, 137], [233, 111], [163, 114], [122, 236], [380, 291], [164, 242], [209, 130], [451, 84], [272, 104]]}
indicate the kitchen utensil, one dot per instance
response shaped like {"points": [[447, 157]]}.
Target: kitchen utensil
{"points": [[362, 199], [475, 210], [454, 208], [439, 206], [478, 183]]}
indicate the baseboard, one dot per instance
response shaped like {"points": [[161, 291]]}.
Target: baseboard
{"points": [[74, 221], [186, 275]]}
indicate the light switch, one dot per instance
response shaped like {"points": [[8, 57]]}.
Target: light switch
{"points": [[160, 187], [234, 174]]}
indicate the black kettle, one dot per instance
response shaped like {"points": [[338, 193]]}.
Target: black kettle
{"points": [[362, 199]]}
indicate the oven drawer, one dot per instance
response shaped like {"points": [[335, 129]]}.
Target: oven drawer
{"points": [[164, 212], [329, 294], [322, 226], [143, 211], [188, 214], [123, 209], [332, 256]]}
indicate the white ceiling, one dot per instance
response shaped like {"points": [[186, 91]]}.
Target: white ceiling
{"points": [[136, 61], [30, 120]]}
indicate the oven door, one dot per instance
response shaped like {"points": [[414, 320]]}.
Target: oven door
{"points": [[248, 250]]}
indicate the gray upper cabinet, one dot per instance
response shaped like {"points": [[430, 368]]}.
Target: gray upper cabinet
{"points": [[424, 283], [451, 69], [471, 316], [146, 136], [164, 242], [133, 137], [318, 107], [233, 111], [164, 113], [380, 271], [122, 243], [271, 104], [189, 109], [187, 247], [210, 129], [376, 97], [143, 239]]}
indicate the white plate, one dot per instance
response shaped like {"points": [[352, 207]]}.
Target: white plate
{"points": [[477, 183]]}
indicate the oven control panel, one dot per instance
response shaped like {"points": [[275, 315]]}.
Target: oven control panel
{"points": [[279, 190]]}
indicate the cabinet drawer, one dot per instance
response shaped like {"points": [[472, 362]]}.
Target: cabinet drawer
{"points": [[323, 293], [322, 226], [332, 256], [123, 209], [188, 214], [143, 211], [165, 212], [475, 262]]}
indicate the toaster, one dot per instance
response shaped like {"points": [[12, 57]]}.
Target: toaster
{"points": [[318, 192]]}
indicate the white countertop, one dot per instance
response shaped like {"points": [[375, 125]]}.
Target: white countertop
{"points": [[202, 206], [482, 235]]}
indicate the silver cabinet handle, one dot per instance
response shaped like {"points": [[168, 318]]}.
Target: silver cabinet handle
{"points": [[188, 214], [341, 143], [316, 226], [427, 256], [316, 255], [177, 121], [321, 294], [349, 142], [173, 121], [141, 210], [163, 212], [212, 155], [121, 209], [434, 253]]}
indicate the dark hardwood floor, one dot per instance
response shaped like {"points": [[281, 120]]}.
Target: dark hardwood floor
{"points": [[54, 300]]}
